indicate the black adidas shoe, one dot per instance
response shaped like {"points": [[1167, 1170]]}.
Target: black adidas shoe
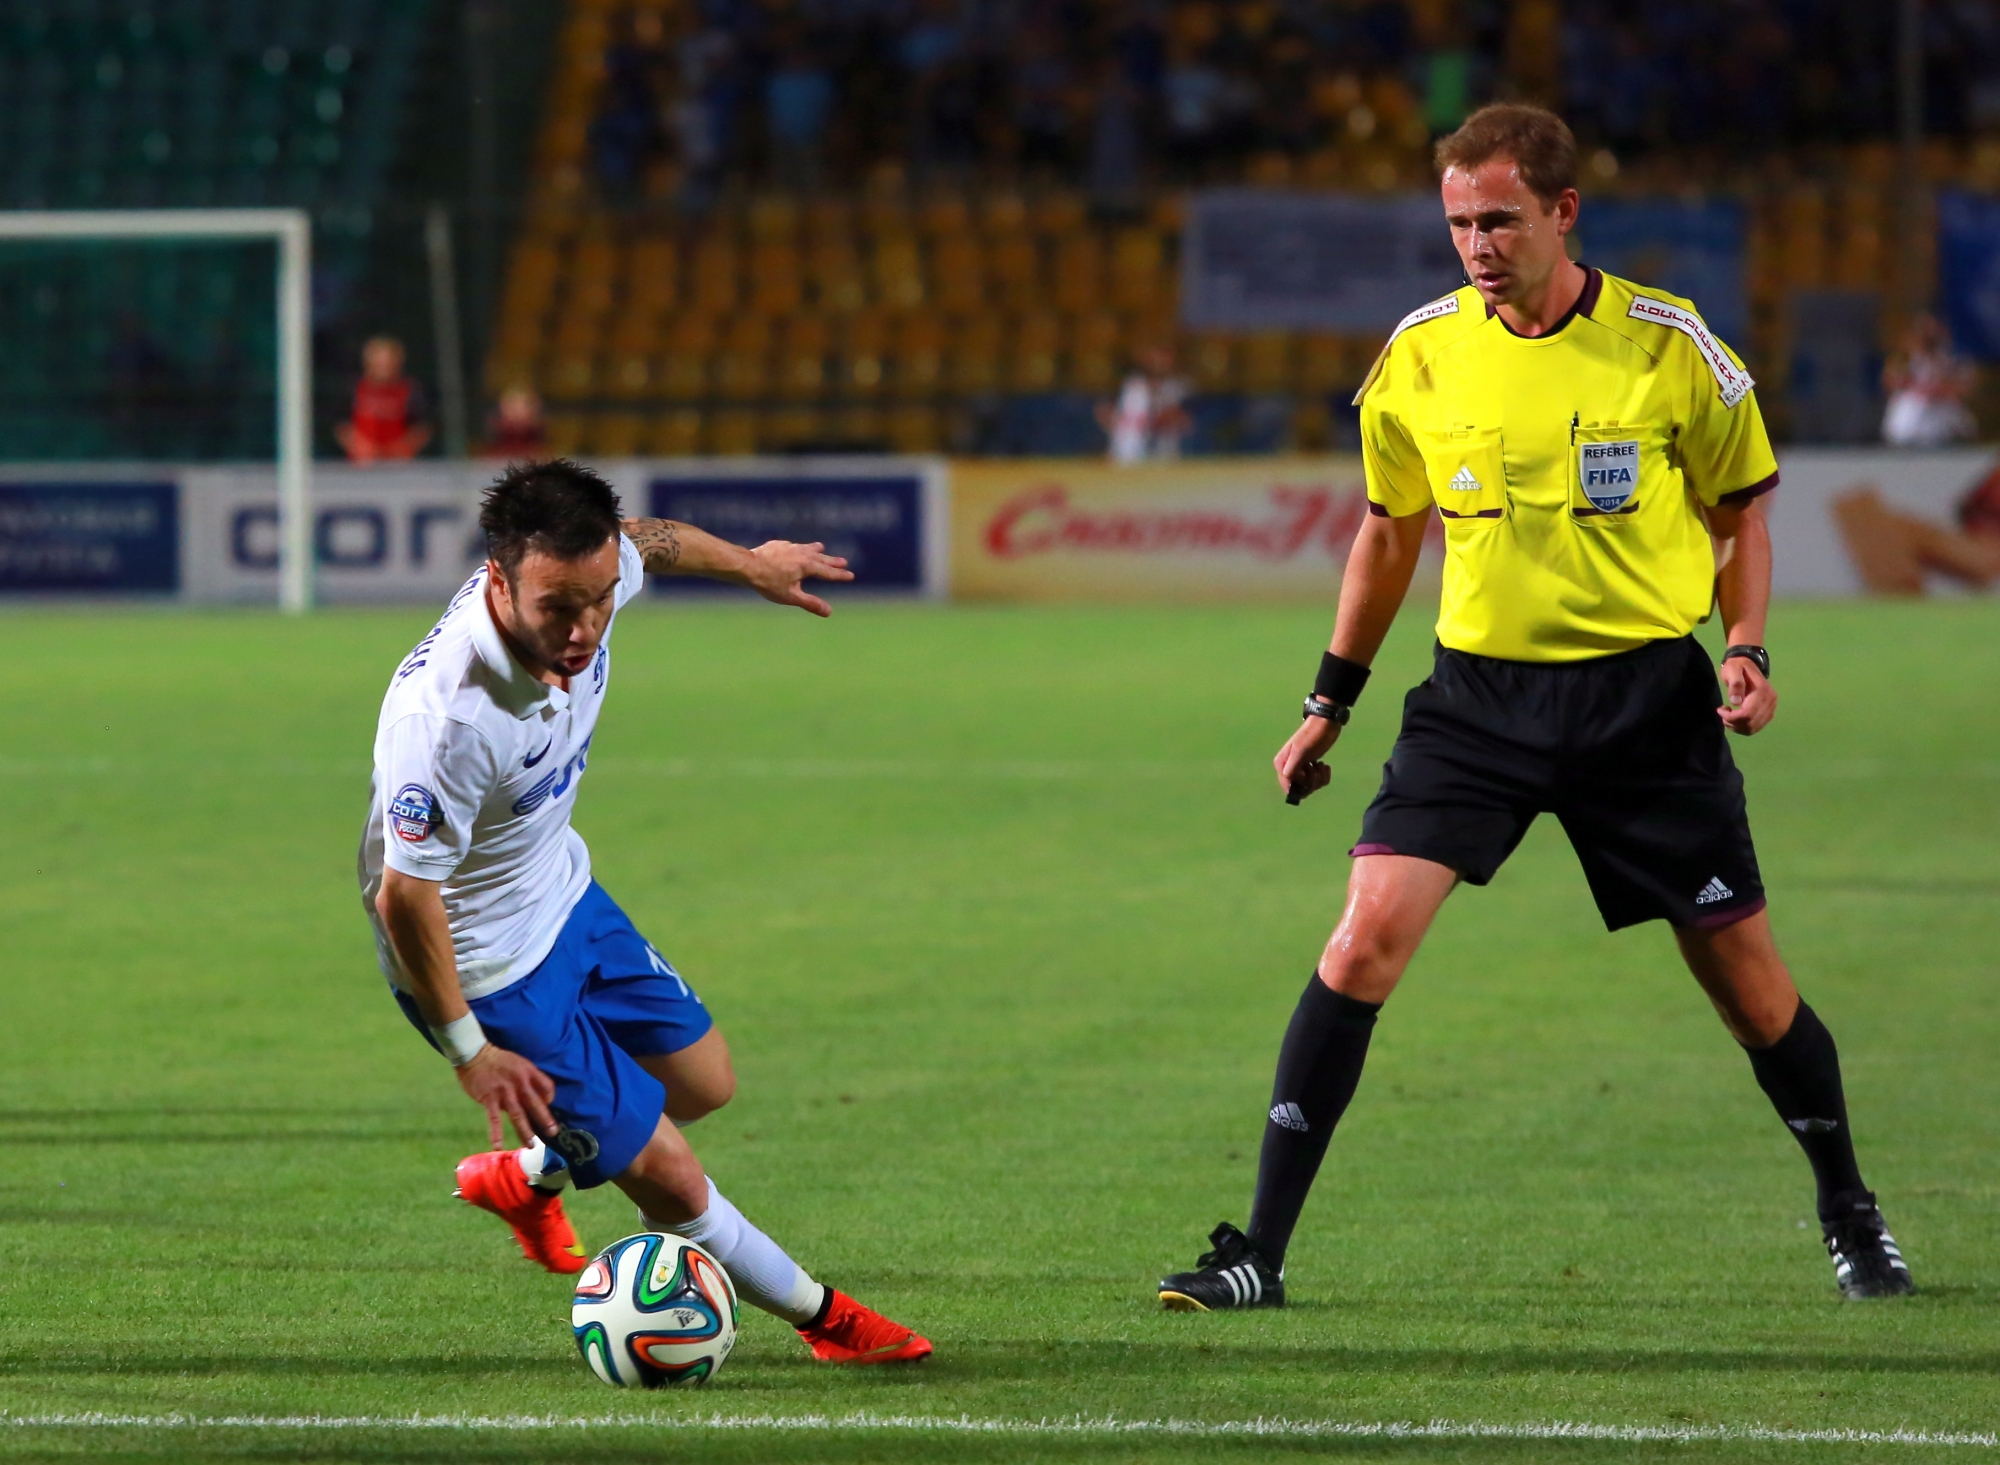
{"points": [[1866, 1260], [1234, 1274]]}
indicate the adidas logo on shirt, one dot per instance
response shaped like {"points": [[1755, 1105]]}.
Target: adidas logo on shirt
{"points": [[1712, 892], [1464, 482], [1289, 1116]]}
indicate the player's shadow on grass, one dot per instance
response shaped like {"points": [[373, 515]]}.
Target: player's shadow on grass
{"points": [[1080, 1362]]}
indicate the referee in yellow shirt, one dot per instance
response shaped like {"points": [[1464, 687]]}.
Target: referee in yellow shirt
{"points": [[1597, 458]]}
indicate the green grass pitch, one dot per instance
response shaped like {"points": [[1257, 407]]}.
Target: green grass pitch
{"points": [[1003, 916]]}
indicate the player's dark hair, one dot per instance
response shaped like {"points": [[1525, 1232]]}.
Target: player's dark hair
{"points": [[1534, 138], [556, 508]]}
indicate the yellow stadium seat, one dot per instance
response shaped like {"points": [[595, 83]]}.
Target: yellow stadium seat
{"points": [[596, 271], [1212, 358], [1059, 214], [794, 427], [958, 267], [914, 428], [1267, 362], [743, 365], [864, 355], [733, 432], [565, 433], [919, 355], [945, 215], [676, 433], [684, 366], [1097, 353], [1138, 269], [777, 281], [860, 424], [972, 364], [1323, 365], [1035, 363], [802, 352], [834, 267], [1014, 262], [899, 271], [714, 283], [616, 434], [1079, 273], [653, 276]]}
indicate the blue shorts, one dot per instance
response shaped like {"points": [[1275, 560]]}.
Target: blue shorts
{"points": [[600, 997]]}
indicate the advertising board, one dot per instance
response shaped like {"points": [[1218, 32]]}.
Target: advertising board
{"points": [[90, 537]]}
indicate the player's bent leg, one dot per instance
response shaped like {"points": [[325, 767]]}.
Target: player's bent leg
{"points": [[673, 1194], [699, 1079], [1391, 901], [1798, 1066]]}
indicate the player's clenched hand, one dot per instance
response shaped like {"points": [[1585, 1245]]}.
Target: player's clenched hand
{"points": [[1299, 758], [778, 567], [506, 1084], [1750, 701]]}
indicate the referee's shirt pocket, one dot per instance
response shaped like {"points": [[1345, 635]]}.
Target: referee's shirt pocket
{"points": [[1468, 477], [1614, 472]]}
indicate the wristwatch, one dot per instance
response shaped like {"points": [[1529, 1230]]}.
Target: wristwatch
{"points": [[1757, 656], [1333, 712]]}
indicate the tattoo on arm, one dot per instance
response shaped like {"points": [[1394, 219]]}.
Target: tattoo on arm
{"points": [[657, 540]]}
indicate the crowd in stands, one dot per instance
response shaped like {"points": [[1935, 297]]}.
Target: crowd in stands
{"points": [[1108, 94]]}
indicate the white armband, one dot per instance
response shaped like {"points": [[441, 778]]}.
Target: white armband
{"points": [[461, 1039]]}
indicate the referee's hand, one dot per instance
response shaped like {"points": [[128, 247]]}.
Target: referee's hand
{"points": [[1298, 761], [1749, 702]]}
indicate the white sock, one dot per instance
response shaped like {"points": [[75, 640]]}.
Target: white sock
{"points": [[535, 1164], [763, 1274]]}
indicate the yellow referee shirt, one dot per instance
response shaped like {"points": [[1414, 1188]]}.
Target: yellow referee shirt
{"points": [[1569, 468]]}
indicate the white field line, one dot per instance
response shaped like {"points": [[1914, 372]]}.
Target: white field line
{"points": [[1436, 1429]]}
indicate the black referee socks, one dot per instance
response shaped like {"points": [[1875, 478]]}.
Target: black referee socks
{"points": [[1801, 1074], [1319, 1065]]}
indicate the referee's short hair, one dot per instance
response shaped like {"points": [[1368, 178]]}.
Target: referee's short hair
{"points": [[557, 508], [1534, 138]]}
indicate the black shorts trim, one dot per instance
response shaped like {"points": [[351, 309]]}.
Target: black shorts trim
{"points": [[1625, 750]]}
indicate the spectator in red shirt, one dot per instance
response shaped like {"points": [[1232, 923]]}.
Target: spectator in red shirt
{"points": [[389, 422], [515, 430]]}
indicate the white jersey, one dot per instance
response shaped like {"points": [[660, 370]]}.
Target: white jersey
{"points": [[477, 763], [1139, 428]]}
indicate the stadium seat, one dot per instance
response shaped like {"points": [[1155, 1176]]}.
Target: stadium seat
{"points": [[897, 266], [684, 365], [734, 431], [777, 280], [1267, 362], [1014, 260], [676, 433], [1035, 362], [914, 428], [616, 434], [1097, 353], [802, 354], [864, 355], [919, 355], [743, 365], [958, 268], [972, 362], [1079, 272], [715, 285]]}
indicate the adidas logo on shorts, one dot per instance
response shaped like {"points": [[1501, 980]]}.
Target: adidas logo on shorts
{"points": [[1463, 481], [1713, 891], [1289, 1116]]}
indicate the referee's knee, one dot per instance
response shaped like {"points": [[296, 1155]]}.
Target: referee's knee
{"points": [[1364, 968]]}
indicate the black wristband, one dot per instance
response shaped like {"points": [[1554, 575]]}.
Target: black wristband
{"points": [[1757, 656], [1339, 679]]}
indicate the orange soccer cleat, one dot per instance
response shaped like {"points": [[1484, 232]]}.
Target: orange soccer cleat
{"points": [[492, 1180], [851, 1333]]}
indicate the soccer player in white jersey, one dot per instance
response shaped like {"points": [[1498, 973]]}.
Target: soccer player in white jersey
{"points": [[500, 946]]}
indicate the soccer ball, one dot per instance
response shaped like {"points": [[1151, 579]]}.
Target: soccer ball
{"points": [[654, 1311]]}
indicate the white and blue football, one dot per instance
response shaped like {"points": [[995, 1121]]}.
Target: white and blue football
{"points": [[654, 1311]]}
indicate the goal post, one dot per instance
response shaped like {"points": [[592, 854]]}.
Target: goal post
{"points": [[291, 231]]}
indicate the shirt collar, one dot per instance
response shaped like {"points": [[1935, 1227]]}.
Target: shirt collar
{"points": [[1593, 286], [514, 687]]}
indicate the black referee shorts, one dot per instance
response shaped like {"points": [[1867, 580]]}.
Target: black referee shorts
{"points": [[1625, 750]]}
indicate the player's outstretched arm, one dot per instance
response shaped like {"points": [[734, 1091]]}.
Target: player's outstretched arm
{"points": [[1378, 574], [1742, 535], [501, 1083], [775, 570]]}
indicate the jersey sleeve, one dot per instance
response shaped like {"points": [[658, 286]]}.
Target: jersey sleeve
{"points": [[631, 571], [1397, 483], [432, 774], [1725, 451]]}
